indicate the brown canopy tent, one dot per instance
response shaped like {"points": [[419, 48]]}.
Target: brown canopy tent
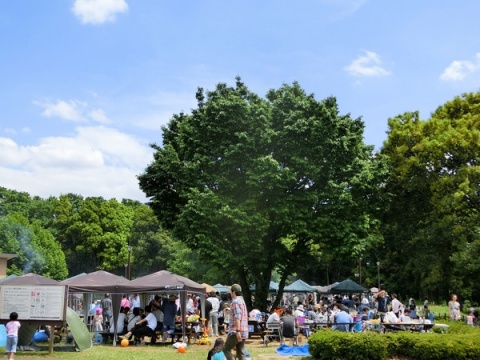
{"points": [[28, 329], [161, 281], [166, 281], [208, 288], [98, 282], [29, 279]]}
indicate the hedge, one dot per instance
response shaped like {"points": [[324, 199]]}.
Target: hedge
{"points": [[336, 345]]}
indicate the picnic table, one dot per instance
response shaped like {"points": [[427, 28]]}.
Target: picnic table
{"points": [[388, 327], [256, 328]]}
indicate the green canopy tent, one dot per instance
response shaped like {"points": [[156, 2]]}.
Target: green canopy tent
{"points": [[299, 286], [348, 287], [273, 287]]}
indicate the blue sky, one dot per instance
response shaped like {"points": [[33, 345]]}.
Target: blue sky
{"points": [[85, 85]]}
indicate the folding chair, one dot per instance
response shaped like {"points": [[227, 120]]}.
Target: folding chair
{"points": [[357, 324], [302, 326], [273, 331]]}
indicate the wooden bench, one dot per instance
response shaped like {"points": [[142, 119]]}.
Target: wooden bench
{"points": [[177, 335]]}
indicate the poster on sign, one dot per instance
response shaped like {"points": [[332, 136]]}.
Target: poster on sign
{"points": [[33, 302]]}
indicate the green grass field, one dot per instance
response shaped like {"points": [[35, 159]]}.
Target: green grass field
{"points": [[109, 352], [194, 352]]}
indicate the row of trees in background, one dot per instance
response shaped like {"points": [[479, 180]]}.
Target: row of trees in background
{"points": [[245, 188], [70, 235]]}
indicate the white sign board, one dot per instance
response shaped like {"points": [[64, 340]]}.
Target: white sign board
{"points": [[33, 302]]}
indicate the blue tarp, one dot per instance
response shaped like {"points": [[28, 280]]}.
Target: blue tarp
{"points": [[286, 350]]}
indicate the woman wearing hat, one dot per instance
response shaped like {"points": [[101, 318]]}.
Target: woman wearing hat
{"points": [[300, 311]]}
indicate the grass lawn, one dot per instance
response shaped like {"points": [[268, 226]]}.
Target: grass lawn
{"points": [[109, 352]]}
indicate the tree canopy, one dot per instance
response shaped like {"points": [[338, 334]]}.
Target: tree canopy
{"points": [[251, 184], [431, 227]]}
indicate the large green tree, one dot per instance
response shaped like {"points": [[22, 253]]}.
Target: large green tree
{"points": [[431, 227], [250, 184], [93, 232], [37, 250]]}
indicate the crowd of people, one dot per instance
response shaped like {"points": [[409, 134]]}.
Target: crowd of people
{"points": [[227, 314], [354, 313]]}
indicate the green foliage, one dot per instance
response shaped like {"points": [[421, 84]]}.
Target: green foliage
{"points": [[251, 184], [431, 225], [37, 250], [329, 344], [334, 345], [54, 237], [95, 232]]}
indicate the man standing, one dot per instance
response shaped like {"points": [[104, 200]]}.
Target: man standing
{"points": [[397, 306], [212, 298], [136, 301], [238, 326], [106, 305], [382, 300], [125, 302], [169, 309]]}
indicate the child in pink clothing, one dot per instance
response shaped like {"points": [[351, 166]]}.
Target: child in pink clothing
{"points": [[12, 335], [470, 319]]}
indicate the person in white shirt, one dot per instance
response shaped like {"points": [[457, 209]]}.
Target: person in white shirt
{"points": [[405, 317], [273, 318], [133, 318], [390, 317], [136, 301], [121, 321], [140, 330], [299, 311], [213, 320], [158, 315], [397, 306], [190, 303]]}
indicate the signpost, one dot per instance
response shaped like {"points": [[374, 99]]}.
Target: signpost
{"points": [[33, 302]]}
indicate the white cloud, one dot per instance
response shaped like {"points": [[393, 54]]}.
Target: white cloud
{"points": [[98, 11], [96, 161], [368, 65], [99, 116], [459, 69], [73, 110], [344, 8], [11, 153]]}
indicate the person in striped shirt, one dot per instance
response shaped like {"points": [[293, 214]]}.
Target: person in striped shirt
{"points": [[238, 326]]}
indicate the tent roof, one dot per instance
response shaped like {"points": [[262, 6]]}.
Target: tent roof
{"points": [[95, 282], [348, 286], [273, 287], [162, 281], [8, 277], [299, 286], [30, 279], [221, 288], [208, 288], [325, 289]]}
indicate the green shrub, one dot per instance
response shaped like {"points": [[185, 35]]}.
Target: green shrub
{"points": [[336, 345], [459, 344]]}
